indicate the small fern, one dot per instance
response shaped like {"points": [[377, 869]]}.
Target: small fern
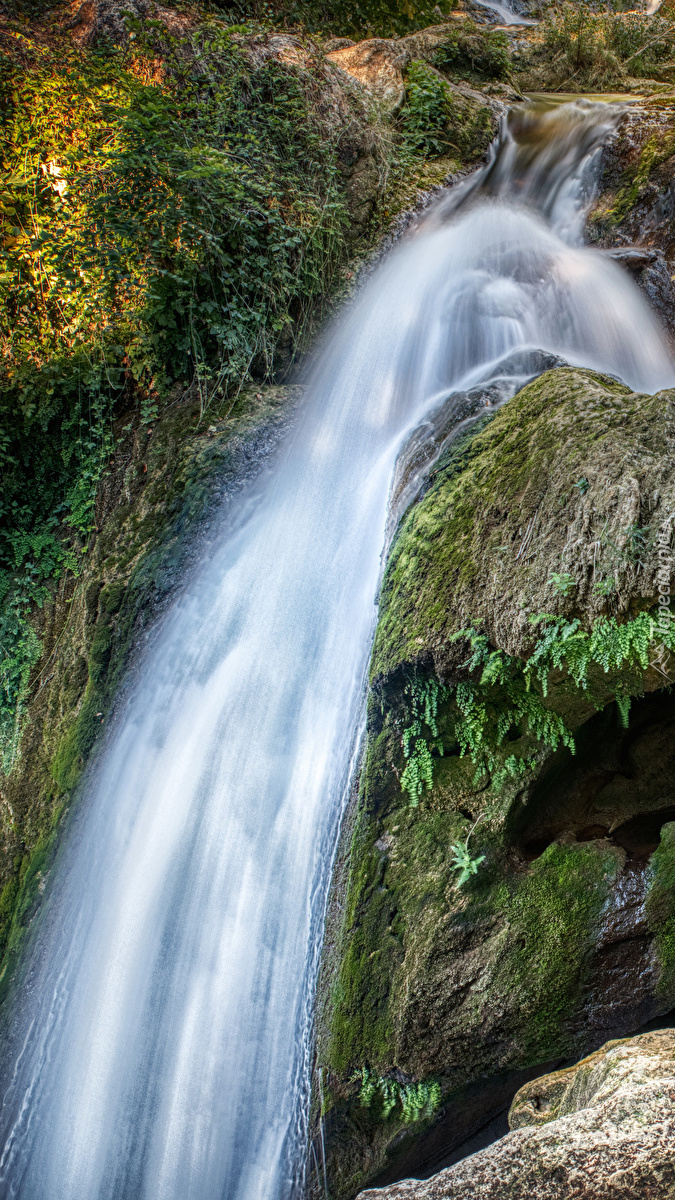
{"points": [[500, 696], [423, 696], [416, 1100]]}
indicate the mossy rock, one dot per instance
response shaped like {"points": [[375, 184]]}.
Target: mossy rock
{"points": [[573, 477], [546, 951]]}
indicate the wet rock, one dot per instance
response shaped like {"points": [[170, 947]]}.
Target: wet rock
{"points": [[601, 1130], [635, 207]]}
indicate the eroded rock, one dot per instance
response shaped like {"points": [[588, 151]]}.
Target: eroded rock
{"points": [[98, 21], [601, 1130]]}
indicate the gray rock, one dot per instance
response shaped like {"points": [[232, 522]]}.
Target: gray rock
{"points": [[601, 1130]]}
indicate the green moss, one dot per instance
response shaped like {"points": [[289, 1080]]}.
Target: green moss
{"points": [[20, 900], [132, 566], [361, 1028], [554, 913], [661, 908], [511, 473]]}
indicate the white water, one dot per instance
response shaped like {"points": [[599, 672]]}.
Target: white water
{"points": [[506, 14], [166, 1026]]}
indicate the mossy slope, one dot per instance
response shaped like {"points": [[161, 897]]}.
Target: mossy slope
{"points": [[572, 481]]}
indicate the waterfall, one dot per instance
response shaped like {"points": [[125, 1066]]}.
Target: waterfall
{"points": [[162, 1038]]}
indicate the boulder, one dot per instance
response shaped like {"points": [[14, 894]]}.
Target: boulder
{"points": [[601, 1130], [378, 64], [560, 504], [97, 21]]}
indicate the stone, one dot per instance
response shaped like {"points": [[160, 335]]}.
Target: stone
{"points": [[378, 65], [563, 939], [603, 1129], [97, 21]]}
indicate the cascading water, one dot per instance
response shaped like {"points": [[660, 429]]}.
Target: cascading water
{"points": [[162, 1040], [505, 13]]}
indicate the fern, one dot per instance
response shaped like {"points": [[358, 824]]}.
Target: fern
{"points": [[416, 1100], [423, 696], [502, 697]]}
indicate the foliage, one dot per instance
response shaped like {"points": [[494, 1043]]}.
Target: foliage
{"points": [[416, 1100], [475, 52], [462, 862], [602, 48], [563, 584], [151, 234], [500, 700], [423, 695], [382, 18], [436, 121], [614, 647]]}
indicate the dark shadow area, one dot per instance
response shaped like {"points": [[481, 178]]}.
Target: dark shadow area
{"points": [[474, 1116], [619, 787], [499, 1091]]}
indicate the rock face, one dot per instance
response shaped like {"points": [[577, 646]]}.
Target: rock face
{"points": [[99, 21], [379, 64], [564, 937], [601, 1130], [635, 206]]}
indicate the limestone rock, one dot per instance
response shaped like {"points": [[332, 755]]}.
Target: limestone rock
{"points": [[561, 940], [601, 1130], [378, 64]]}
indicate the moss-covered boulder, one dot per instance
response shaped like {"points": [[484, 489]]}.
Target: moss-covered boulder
{"points": [[502, 897]]}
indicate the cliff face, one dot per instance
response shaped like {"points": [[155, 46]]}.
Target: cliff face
{"points": [[518, 618]]}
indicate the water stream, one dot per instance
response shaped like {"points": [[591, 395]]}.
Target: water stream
{"points": [[162, 1040]]}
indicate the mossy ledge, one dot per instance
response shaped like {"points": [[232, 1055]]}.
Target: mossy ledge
{"points": [[562, 504]]}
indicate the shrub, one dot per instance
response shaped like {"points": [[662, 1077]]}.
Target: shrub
{"points": [[475, 53]]}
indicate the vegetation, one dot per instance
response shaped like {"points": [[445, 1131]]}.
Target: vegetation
{"points": [[152, 235], [434, 120], [475, 53], [462, 861], [501, 700], [580, 47], [414, 1100]]}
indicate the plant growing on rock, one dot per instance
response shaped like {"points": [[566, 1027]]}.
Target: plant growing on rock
{"points": [[462, 860], [423, 695], [502, 698], [437, 120], [415, 1100]]}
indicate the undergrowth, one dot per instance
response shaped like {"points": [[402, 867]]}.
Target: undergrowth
{"points": [[598, 49], [436, 121], [504, 696], [475, 53], [153, 235]]}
